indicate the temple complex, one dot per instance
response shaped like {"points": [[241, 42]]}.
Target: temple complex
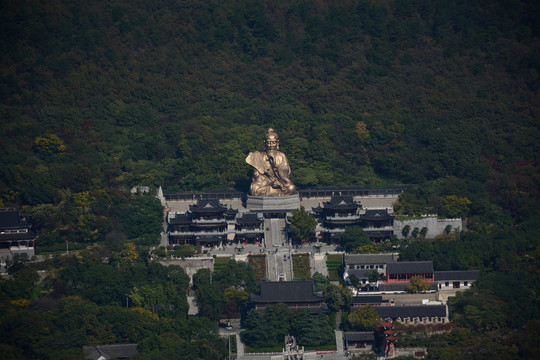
{"points": [[217, 218]]}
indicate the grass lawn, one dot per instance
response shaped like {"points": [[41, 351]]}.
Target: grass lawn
{"points": [[233, 344], [327, 347], [277, 348], [220, 261], [301, 267], [333, 264], [258, 264]]}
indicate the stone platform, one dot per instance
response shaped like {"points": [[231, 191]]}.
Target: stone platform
{"points": [[266, 203]]}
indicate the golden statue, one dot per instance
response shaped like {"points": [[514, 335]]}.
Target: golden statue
{"points": [[271, 173]]}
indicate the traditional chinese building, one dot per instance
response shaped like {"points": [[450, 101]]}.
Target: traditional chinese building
{"points": [[387, 337], [363, 265], [342, 211], [295, 294], [16, 236], [402, 272], [359, 340], [205, 224], [414, 314], [336, 215], [373, 300], [249, 229], [455, 280], [378, 224]]}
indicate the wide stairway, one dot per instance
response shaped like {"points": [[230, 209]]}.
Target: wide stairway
{"points": [[277, 231]]}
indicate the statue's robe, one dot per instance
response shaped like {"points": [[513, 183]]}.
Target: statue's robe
{"points": [[270, 174]]}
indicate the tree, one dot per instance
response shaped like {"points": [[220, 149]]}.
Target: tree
{"points": [[178, 276], [129, 253], [455, 206], [312, 330], [374, 276], [355, 281], [238, 297], [235, 273], [405, 231], [49, 144], [210, 301], [354, 237], [364, 318], [337, 297], [319, 281], [302, 225], [268, 329], [418, 284], [448, 229]]}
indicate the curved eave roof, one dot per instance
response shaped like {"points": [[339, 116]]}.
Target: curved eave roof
{"points": [[30, 235], [287, 292]]}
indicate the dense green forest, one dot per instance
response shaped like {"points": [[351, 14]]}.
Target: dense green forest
{"points": [[100, 96]]}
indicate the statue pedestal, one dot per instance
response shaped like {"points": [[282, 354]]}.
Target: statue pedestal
{"points": [[267, 203]]}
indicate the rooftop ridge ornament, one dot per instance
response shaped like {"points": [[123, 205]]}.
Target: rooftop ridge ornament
{"points": [[271, 169]]}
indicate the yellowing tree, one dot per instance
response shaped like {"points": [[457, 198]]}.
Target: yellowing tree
{"points": [[417, 285], [129, 253], [49, 144], [455, 206], [362, 131], [364, 318]]}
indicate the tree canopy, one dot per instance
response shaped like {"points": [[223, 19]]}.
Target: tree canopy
{"points": [[353, 238], [302, 225], [364, 318]]}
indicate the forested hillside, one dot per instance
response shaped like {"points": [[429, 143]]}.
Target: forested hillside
{"points": [[100, 96], [175, 93]]}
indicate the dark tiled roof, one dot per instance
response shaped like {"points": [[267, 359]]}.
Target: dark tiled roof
{"points": [[359, 336], [376, 215], [373, 299], [13, 226], [286, 292], [29, 235], [249, 219], [341, 202], [457, 275], [410, 267], [378, 234], [318, 209], [110, 351], [9, 218], [394, 312], [363, 259], [179, 219], [208, 206], [313, 309], [203, 194]]}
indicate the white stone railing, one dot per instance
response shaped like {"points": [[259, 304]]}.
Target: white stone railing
{"points": [[177, 233], [384, 228], [208, 221]]}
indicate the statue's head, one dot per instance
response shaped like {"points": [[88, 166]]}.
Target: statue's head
{"points": [[271, 140]]}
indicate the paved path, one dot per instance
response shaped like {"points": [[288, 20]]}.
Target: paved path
{"points": [[318, 262], [272, 272], [193, 309], [239, 346], [339, 341]]}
